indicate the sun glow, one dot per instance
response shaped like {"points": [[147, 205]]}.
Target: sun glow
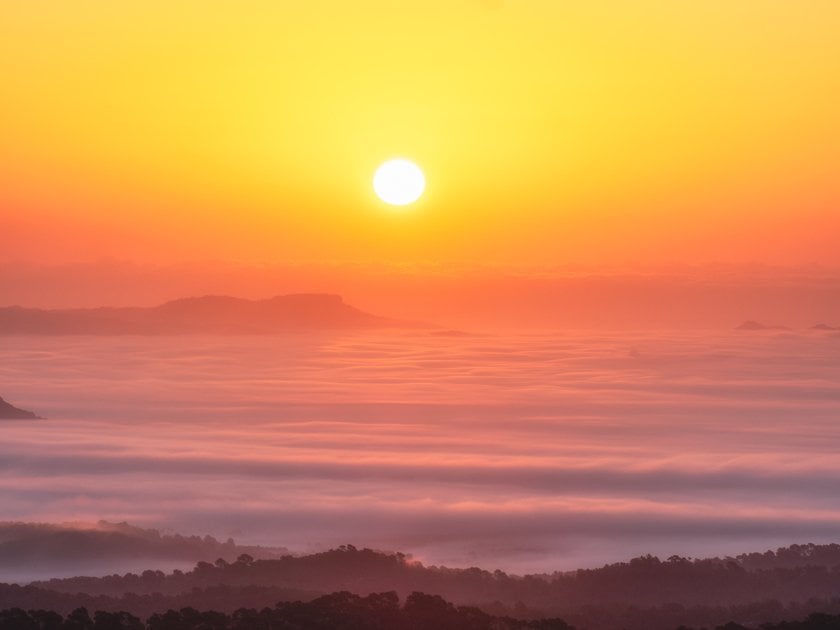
{"points": [[399, 182]]}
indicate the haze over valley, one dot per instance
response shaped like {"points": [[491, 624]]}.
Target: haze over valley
{"points": [[528, 453]]}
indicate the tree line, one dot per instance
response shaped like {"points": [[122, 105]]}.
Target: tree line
{"points": [[645, 593], [337, 611]]}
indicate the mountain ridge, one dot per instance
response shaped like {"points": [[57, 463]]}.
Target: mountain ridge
{"points": [[202, 314], [644, 593], [9, 412]]}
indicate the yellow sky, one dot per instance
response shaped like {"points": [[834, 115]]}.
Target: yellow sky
{"points": [[550, 131]]}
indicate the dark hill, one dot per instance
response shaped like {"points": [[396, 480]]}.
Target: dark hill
{"points": [[208, 314], [643, 594], [10, 412], [27, 545], [794, 573]]}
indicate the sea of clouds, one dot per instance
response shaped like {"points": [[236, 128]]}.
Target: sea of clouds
{"points": [[528, 452]]}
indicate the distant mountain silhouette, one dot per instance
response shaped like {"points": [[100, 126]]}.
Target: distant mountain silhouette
{"points": [[754, 325], [62, 545], [10, 412], [208, 314], [449, 333], [824, 327]]}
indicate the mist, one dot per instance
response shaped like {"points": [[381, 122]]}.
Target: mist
{"points": [[526, 453]]}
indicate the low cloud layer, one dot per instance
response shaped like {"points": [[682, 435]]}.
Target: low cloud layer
{"points": [[32, 550], [526, 453]]}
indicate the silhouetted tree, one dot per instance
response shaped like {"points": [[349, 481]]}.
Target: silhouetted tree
{"points": [[16, 619], [103, 620], [79, 619]]}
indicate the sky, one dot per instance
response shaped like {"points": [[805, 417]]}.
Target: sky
{"points": [[551, 133], [652, 166]]}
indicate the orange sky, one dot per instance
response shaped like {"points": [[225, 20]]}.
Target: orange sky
{"points": [[603, 132]]}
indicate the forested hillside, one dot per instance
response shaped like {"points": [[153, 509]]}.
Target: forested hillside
{"points": [[645, 593]]}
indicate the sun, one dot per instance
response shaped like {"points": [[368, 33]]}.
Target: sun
{"points": [[399, 182]]}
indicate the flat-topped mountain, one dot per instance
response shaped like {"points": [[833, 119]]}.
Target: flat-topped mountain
{"points": [[208, 314], [10, 412]]}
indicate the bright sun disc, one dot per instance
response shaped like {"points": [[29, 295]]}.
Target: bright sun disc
{"points": [[399, 182]]}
